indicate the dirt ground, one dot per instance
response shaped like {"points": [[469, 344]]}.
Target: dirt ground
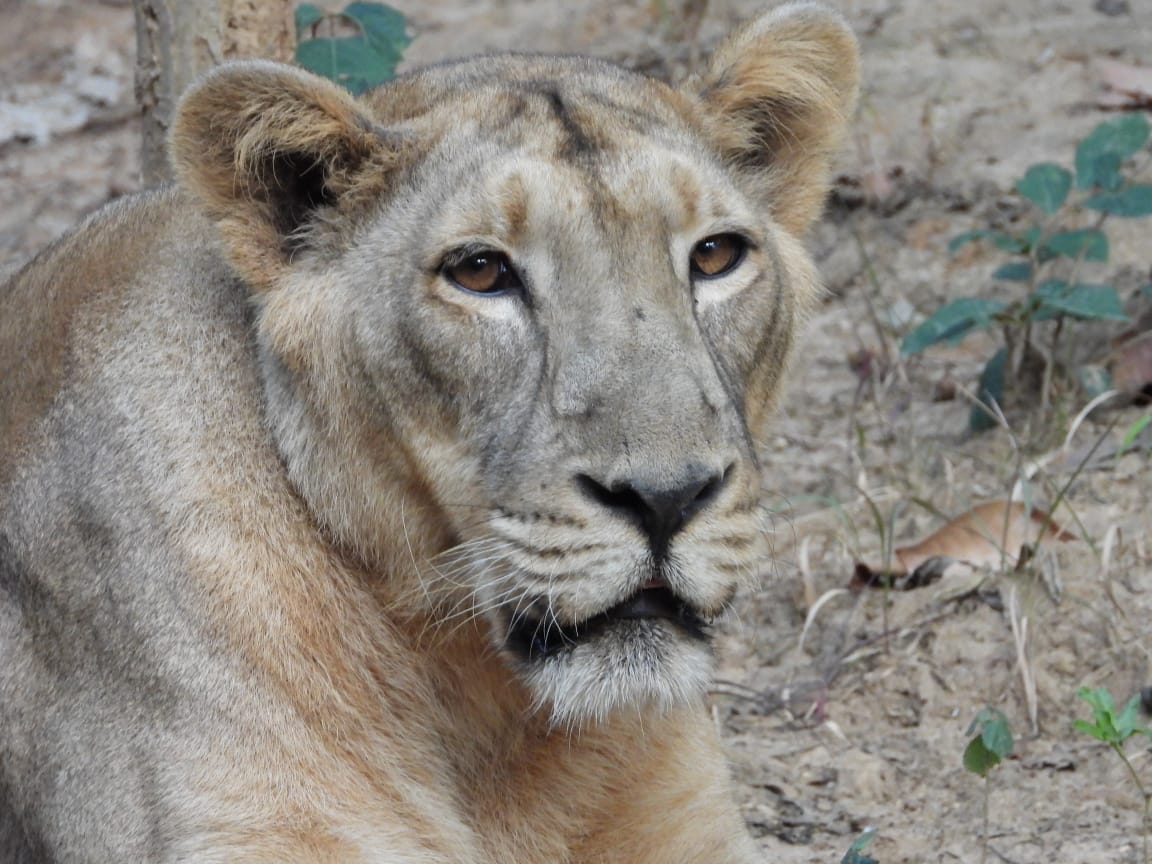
{"points": [[860, 719]]}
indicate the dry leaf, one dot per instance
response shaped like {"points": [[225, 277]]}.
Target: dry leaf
{"points": [[1126, 86], [1131, 364], [990, 535]]}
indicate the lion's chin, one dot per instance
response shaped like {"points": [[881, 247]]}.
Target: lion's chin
{"points": [[538, 635], [650, 652]]}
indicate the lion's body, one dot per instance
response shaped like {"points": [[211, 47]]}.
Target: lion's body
{"points": [[275, 492]]}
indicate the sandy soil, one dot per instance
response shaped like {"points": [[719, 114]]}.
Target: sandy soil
{"points": [[860, 720]]}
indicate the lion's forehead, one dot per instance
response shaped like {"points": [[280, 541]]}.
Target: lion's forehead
{"points": [[585, 96], [567, 135], [648, 195]]}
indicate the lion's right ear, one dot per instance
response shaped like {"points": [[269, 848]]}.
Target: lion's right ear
{"points": [[268, 150], [777, 96]]}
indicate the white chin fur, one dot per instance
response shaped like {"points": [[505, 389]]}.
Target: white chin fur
{"points": [[640, 666]]}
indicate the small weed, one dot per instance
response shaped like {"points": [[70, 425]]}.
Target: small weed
{"points": [[855, 853], [1133, 432], [358, 61], [1114, 728], [1046, 259], [992, 743]]}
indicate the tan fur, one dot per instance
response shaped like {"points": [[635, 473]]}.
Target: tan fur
{"points": [[309, 555]]}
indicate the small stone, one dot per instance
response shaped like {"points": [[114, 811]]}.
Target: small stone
{"points": [[1112, 7]]}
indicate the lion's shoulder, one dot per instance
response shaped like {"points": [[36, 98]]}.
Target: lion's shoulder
{"points": [[59, 312]]}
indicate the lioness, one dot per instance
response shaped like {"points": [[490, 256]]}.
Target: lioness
{"points": [[367, 495]]}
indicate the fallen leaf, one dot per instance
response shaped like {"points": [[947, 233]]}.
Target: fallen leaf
{"points": [[990, 535], [944, 390], [1131, 365], [1126, 86]]}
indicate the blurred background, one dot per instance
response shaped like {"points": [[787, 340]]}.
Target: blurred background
{"points": [[848, 682]]}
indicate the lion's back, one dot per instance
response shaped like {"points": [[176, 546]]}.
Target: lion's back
{"points": [[112, 342], [58, 314]]}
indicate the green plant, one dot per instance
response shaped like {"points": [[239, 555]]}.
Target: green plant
{"points": [[992, 743], [855, 853], [1133, 432], [1114, 728], [359, 61], [1047, 258]]}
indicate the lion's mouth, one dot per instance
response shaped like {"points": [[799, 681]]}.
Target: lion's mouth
{"points": [[535, 637]]}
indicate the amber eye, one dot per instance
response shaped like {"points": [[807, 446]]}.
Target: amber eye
{"points": [[483, 273], [717, 255]]}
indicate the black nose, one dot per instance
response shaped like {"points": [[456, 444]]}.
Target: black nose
{"points": [[659, 510]]}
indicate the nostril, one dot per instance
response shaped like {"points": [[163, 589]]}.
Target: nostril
{"points": [[709, 491], [621, 496], [614, 500], [659, 510]]}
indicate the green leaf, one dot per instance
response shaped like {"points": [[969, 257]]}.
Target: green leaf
{"points": [[1087, 243], [1082, 300], [1131, 202], [855, 851], [966, 238], [1089, 729], [307, 15], [997, 737], [978, 758], [950, 322], [1134, 431], [362, 61], [1014, 271], [1103, 172], [1100, 699], [1103, 726], [1126, 723], [1002, 241], [385, 28], [989, 390], [1046, 185], [350, 61], [1101, 153], [995, 731]]}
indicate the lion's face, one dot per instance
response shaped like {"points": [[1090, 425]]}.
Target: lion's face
{"points": [[519, 329], [591, 328]]}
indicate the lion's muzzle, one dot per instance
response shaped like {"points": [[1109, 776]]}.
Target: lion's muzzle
{"points": [[660, 510]]}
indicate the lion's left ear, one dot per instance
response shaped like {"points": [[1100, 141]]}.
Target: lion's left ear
{"points": [[269, 151], [778, 95]]}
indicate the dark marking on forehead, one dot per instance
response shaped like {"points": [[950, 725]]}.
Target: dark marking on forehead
{"points": [[577, 145], [515, 107], [515, 209], [581, 143], [641, 119], [687, 192]]}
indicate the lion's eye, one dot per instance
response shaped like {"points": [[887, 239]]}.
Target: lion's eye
{"points": [[717, 255], [487, 273]]}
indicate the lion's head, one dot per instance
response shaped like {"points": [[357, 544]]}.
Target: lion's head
{"points": [[520, 319]]}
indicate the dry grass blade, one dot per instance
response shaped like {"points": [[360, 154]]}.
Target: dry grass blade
{"points": [[1019, 624]]}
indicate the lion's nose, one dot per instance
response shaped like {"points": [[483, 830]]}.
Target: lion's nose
{"points": [[659, 510]]}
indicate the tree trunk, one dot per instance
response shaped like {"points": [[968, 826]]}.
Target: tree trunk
{"points": [[178, 40]]}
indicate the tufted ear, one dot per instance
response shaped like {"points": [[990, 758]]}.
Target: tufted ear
{"points": [[778, 95], [275, 156]]}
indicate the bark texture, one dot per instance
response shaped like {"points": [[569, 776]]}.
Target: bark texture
{"points": [[177, 40]]}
